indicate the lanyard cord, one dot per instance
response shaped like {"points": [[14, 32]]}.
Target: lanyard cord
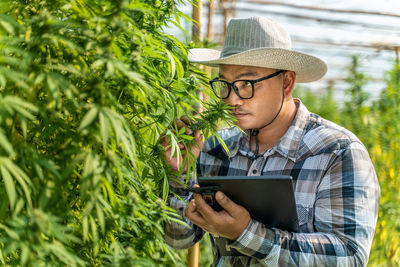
{"points": [[255, 132]]}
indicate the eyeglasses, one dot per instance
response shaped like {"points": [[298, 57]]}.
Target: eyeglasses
{"points": [[243, 88]]}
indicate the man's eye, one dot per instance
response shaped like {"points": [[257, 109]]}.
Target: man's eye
{"points": [[247, 83]]}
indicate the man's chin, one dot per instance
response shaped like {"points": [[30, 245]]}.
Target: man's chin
{"points": [[243, 125]]}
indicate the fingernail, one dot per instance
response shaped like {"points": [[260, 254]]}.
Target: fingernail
{"points": [[220, 196]]}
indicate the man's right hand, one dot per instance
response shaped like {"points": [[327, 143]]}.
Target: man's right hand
{"points": [[175, 162]]}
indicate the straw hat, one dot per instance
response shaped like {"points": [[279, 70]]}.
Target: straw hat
{"points": [[260, 42]]}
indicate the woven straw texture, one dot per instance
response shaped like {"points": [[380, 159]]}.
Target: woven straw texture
{"points": [[260, 42]]}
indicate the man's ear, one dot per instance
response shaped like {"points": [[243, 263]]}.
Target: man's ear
{"points": [[290, 78]]}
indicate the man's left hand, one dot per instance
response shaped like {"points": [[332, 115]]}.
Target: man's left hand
{"points": [[228, 223]]}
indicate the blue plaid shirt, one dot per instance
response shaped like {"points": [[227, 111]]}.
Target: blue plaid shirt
{"points": [[336, 192]]}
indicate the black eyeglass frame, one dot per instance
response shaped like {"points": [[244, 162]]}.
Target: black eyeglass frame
{"points": [[231, 85]]}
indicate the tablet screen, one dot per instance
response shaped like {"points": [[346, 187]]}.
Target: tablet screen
{"points": [[269, 199]]}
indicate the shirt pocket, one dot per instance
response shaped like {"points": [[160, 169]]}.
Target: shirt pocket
{"points": [[305, 218]]}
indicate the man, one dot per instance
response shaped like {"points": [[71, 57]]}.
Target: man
{"points": [[335, 184]]}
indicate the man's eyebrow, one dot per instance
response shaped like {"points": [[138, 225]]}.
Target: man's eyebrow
{"points": [[245, 74]]}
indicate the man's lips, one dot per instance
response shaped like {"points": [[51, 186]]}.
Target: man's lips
{"points": [[238, 114]]}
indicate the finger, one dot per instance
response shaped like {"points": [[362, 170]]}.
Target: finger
{"points": [[191, 122], [196, 147], [191, 208], [164, 141], [180, 123], [186, 120], [199, 140], [193, 215], [231, 207], [203, 208]]}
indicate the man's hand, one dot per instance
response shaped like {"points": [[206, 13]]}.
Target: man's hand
{"points": [[228, 223], [175, 162]]}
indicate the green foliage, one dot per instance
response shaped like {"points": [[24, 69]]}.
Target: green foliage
{"points": [[385, 152], [355, 106], [86, 89], [376, 125]]}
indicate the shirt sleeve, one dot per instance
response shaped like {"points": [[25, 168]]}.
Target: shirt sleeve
{"points": [[183, 234], [345, 215]]}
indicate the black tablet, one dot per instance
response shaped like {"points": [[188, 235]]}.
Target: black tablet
{"points": [[269, 199]]}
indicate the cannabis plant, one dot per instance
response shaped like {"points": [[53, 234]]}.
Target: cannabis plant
{"points": [[86, 89]]}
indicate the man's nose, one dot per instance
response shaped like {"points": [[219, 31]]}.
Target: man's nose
{"points": [[234, 99]]}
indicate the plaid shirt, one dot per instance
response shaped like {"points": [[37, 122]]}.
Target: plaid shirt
{"points": [[336, 192]]}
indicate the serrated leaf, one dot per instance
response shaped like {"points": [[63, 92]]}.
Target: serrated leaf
{"points": [[95, 235], [98, 63], [7, 26], [85, 228], [10, 232], [179, 68], [100, 217], [165, 188], [3, 81], [22, 107], [223, 145], [5, 144], [24, 254], [19, 206], [111, 194], [186, 137], [110, 67], [10, 186], [2, 257], [104, 128], [171, 64], [21, 178], [23, 127], [88, 119]]}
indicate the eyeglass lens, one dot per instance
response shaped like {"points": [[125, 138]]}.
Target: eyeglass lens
{"points": [[243, 88]]}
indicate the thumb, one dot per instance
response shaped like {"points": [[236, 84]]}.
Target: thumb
{"points": [[199, 138], [199, 143], [226, 203]]}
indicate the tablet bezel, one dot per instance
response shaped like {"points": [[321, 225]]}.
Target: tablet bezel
{"points": [[269, 199]]}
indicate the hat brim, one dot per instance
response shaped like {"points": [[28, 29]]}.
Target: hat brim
{"points": [[307, 68]]}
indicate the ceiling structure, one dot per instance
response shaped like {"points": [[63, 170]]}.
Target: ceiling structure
{"points": [[332, 30]]}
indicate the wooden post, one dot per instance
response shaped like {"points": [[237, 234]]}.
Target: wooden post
{"points": [[193, 256], [225, 13], [210, 33], [197, 17], [228, 11], [193, 252]]}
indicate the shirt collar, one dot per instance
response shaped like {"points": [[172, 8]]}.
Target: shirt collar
{"points": [[287, 146]]}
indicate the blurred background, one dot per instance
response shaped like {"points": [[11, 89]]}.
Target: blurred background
{"points": [[332, 30]]}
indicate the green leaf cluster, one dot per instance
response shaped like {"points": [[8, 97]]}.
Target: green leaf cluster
{"points": [[86, 89]]}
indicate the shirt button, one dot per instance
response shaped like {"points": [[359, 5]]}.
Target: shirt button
{"points": [[254, 171]]}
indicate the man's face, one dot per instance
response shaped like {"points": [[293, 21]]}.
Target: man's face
{"points": [[261, 109]]}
